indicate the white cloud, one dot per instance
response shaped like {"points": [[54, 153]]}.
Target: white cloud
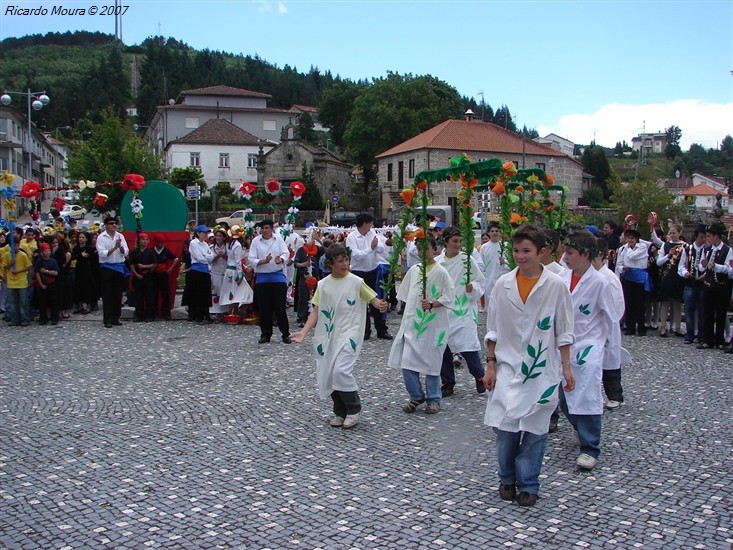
{"points": [[701, 122], [265, 6]]}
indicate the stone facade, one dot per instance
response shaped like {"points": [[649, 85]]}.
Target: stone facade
{"points": [[404, 167], [285, 162]]}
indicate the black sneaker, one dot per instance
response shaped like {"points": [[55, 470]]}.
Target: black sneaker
{"points": [[480, 388], [263, 340], [385, 336], [287, 340], [507, 492], [526, 499], [446, 390]]}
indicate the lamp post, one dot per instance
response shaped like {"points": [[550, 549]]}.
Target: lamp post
{"points": [[36, 101], [57, 172]]}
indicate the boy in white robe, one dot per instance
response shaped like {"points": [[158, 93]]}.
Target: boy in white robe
{"points": [[491, 256], [339, 309], [419, 345], [530, 318], [594, 316], [463, 313]]}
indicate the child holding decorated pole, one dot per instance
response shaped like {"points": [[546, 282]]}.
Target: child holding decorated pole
{"points": [[530, 318], [463, 313], [339, 315], [428, 292]]}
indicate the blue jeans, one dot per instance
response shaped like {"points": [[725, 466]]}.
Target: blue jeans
{"points": [[692, 296], [520, 459], [588, 427], [448, 373], [414, 387], [18, 305]]}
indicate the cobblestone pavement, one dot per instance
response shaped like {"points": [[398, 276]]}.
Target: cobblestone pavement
{"points": [[177, 435]]}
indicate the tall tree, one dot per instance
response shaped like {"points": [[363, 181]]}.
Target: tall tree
{"points": [[111, 151], [674, 134], [503, 118], [335, 108], [594, 162], [641, 197], [394, 109]]}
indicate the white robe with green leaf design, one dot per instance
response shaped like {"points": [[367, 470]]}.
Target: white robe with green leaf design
{"points": [[339, 331], [463, 317], [595, 314], [423, 335], [527, 336]]}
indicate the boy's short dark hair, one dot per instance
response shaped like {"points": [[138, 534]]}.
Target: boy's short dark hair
{"points": [[334, 251], [602, 247], [432, 241], [583, 241], [361, 219], [533, 233], [553, 239], [451, 231], [493, 225]]}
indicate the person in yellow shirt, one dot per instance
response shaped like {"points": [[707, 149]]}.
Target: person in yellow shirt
{"points": [[17, 264]]}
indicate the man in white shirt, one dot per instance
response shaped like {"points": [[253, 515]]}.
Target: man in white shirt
{"points": [[692, 294], [365, 246], [112, 250], [268, 254], [715, 268]]}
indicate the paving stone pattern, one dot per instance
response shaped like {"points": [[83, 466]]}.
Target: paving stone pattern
{"points": [[175, 435]]}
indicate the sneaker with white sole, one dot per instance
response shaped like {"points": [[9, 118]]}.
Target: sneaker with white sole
{"points": [[350, 421], [612, 405], [336, 422], [432, 408], [585, 461]]}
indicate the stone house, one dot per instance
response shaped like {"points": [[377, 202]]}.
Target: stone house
{"points": [[434, 148], [222, 151], [285, 162]]}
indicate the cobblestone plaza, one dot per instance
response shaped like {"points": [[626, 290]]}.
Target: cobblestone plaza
{"points": [[183, 436]]}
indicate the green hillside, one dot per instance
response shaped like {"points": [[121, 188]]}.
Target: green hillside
{"points": [[658, 166]]}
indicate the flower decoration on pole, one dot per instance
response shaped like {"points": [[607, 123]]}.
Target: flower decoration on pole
{"points": [[30, 190], [247, 190], [297, 188], [272, 187]]}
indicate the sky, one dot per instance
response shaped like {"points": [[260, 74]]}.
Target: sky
{"points": [[583, 69]]}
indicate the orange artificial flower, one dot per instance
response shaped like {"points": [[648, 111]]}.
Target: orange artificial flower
{"points": [[422, 185], [509, 168], [549, 179], [520, 189], [452, 178], [498, 188], [469, 183], [311, 249], [534, 206], [515, 218], [407, 196], [550, 208], [419, 234]]}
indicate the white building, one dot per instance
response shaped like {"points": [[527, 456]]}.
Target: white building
{"points": [[222, 151], [558, 142]]}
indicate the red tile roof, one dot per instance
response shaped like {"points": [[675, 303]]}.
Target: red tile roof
{"points": [[218, 131], [461, 135], [304, 108], [222, 90], [702, 190]]}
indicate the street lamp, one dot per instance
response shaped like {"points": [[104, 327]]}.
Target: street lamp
{"points": [[57, 172], [36, 101]]}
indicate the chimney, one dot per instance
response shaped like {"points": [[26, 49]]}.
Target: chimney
{"points": [[469, 115]]}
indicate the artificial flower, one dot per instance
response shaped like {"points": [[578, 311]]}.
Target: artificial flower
{"points": [[100, 199], [498, 188], [520, 189], [515, 218], [247, 188], [509, 168], [297, 189], [31, 190], [407, 196], [133, 182], [422, 185], [272, 186], [549, 179]]}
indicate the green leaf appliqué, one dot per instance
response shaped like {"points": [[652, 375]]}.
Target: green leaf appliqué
{"points": [[584, 309], [580, 356], [544, 324], [320, 351], [544, 398], [350, 302], [353, 344]]}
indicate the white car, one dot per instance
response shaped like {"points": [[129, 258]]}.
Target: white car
{"points": [[73, 211], [235, 218]]}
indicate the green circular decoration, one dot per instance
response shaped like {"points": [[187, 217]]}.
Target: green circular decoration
{"points": [[164, 208]]}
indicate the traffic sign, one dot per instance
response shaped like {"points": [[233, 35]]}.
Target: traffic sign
{"points": [[193, 192], [334, 198]]}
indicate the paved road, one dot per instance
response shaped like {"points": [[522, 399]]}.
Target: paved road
{"points": [[177, 435]]}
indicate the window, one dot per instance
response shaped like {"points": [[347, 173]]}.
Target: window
{"points": [[389, 172], [269, 125], [540, 165], [252, 160], [195, 159], [3, 163], [411, 168], [400, 174], [192, 122], [223, 160]]}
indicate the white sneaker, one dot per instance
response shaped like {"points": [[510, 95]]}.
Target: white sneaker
{"points": [[350, 421], [336, 422], [585, 461], [457, 359], [611, 404]]}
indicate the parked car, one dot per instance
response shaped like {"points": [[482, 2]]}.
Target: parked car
{"points": [[73, 211], [343, 219], [235, 218]]}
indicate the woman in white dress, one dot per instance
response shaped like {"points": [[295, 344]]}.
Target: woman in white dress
{"points": [[234, 291]]}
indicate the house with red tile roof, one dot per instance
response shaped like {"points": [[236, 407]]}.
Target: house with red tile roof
{"points": [[222, 151], [705, 197], [433, 149]]}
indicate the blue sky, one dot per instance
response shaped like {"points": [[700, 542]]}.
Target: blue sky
{"points": [[582, 69]]}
